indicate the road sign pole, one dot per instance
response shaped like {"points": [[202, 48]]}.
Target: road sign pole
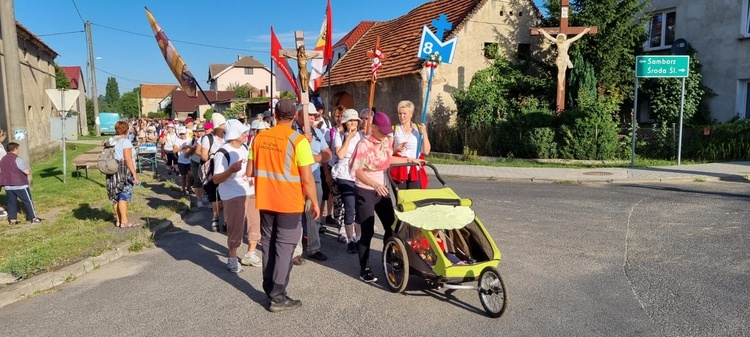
{"points": [[65, 159], [635, 125], [682, 107]]}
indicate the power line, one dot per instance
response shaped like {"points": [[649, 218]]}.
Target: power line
{"points": [[77, 11], [124, 78], [185, 42], [51, 34]]}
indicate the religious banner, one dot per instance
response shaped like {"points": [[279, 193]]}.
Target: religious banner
{"points": [[324, 45], [174, 61], [285, 80]]}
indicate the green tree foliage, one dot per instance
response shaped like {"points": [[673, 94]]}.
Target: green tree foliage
{"points": [[240, 90], [288, 95], [112, 96], [129, 104], [664, 94], [90, 113], [61, 78], [590, 131], [611, 52], [581, 81], [237, 110], [207, 114]]}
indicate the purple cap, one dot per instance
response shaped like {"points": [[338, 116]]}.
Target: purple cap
{"points": [[383, 122]]}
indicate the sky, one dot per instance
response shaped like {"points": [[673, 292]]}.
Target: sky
{"points": [[203, 32]]}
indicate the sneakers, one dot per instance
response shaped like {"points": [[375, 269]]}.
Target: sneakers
{"points": [[285, 303], [250, 259], [351, 247], [342, 238], [330, 220], [298, 260], [367, 276], [200, 205], [3, 213], [215, 225], [36, 220], [318, 256], [233, 265]]}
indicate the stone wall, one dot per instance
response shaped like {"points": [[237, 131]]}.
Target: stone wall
{"points": [[388, 92]]}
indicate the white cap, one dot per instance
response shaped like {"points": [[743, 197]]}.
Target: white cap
{"points": [[181, 130], [234, 129], [311, 110], [218, 119]]}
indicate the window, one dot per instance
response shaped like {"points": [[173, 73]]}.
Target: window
{"points": [[745, 29], [661, 30], [743, 99], [248, 71]]}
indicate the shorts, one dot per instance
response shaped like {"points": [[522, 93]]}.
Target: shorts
{"points": [[127, 192], [183, 168], [212, 191], [195, 169]]}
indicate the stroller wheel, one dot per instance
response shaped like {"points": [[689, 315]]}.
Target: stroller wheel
{"points": [[492, 292], [395, 264]]}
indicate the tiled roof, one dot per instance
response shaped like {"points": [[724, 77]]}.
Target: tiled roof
{"points": [[215, 68], [181, 102], [355, 34], [156, 90], [399, 40], [25, 33], [74, 74], [249, 62]]}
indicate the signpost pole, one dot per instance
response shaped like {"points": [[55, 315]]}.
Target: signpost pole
{"points": [[64, 147], [635, 125], [682, 107]]}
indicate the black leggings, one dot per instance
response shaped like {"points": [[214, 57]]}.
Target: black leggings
{"points": [[171, 159], [368, 204]]}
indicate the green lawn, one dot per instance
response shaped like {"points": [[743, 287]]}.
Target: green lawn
{"points": [[79, 218]]}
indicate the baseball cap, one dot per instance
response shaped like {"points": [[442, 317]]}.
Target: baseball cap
{"points": [[286, 108], [310, 109], [350, 114], [218, 119], [189, 120], [200, 128], [208, 126], [181, 130], [234, 129], [383, 122]]}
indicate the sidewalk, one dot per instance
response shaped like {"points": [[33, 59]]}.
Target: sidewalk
{"points": [[734, 171]]}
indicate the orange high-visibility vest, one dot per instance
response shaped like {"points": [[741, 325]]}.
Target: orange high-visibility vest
{"points": [[278, 186]]}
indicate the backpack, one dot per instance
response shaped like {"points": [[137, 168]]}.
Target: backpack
{"points": [[107, 163]]}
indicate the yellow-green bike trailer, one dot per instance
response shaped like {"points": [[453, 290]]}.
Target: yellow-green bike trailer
{"points": [[438, 237]]}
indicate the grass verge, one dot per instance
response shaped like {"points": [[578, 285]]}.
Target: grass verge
{"points": [[514, 162], [79, 218]]}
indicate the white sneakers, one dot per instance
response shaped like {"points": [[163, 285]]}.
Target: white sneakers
{"points": [[250, 259]]}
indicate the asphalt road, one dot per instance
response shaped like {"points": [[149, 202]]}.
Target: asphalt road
{"points": [[578, 260]]}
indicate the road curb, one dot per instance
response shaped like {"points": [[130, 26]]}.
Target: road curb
{"points": [[49, 280]]}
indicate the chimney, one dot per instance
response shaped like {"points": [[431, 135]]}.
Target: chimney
{"points": [[239, 57]]}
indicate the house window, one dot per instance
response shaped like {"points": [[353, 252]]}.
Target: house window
{"points": [[661, 30], [743, 99], [745, 18], [248, 71]]}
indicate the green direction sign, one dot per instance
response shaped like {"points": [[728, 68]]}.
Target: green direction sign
{"points": [[662, 66]]}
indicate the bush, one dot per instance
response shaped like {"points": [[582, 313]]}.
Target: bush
{"points": [[590, 131], [542, 142], [721, 142]]}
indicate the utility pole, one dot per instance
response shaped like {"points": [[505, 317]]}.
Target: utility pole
{"points": [[93, 79], [13, 84]]}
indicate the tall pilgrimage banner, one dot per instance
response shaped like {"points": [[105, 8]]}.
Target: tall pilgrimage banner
{"points": [[174, 61], [285, 80], [324, 45]]}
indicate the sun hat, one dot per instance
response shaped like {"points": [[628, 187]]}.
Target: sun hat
{"points": [[218, 120], [349, 115], [234, 129], [258, 125], [383, 122], [310, 109]]}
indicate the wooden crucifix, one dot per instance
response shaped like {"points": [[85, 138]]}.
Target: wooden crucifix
{"points": [[563, 43], [303, 75], [377, 56]]}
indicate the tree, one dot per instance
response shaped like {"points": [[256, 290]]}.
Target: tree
{"points": [[112, 95], [581, 81], [611, 52], [61, 78], [90, 113], [240, 90], [208, 113], [129, 104], [287, 95]]}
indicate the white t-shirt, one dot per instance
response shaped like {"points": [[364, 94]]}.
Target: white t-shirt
{"points": [[169, 140], [236, 185], [411, 140], [218, 142], [196, 157], [341, 169], [122, 143], [181, 158]]}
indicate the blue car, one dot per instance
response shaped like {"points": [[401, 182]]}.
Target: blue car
{"points": [[107, 122]]}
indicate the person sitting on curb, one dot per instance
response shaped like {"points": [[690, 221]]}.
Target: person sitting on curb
{"points": [[14, 176]]}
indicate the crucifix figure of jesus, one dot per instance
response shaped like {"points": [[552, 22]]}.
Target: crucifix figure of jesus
{"points": [[563, 44], [303, 75]]}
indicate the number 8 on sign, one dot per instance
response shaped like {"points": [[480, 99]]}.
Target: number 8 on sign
{"points": [[427, 48], [430, 44]]}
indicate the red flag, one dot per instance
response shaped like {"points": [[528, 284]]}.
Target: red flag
{"points": [[325, 46], [174, 61], [287, 82]]}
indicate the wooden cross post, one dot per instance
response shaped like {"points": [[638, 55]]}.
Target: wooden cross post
{"points": [[302, 56], [377, 57], [563, 44]]}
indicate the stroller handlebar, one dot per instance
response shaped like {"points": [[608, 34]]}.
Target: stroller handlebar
{"points": [[434, 169]]}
